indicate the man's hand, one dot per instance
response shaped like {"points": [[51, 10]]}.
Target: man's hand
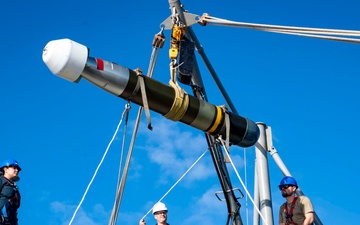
{"points": [[142, 222]]}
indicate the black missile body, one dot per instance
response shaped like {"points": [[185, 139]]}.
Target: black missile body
{"points": [[70, 61]]}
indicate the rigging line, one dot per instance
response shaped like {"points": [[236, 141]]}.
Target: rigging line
{"points": [[246, 197], [152, 63], [153, 60], [127, 107], [114, 214], [158, 43], [242, 183], [187, 171], [300, 31], [98, 167], [312, 31], [220, 21], [120, 190], [349, 40]]}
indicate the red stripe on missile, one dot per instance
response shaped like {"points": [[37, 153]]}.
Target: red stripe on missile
{"points": [[100, 64]]}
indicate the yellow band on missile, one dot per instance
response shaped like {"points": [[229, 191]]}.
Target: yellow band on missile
{"points": [[217, 120]]}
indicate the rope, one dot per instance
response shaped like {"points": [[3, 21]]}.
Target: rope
{"points": [[98, 167], [300, 31], [115, 210], [242, 183], [246, 197], [349, 40], [187, 171], [157, 44]]}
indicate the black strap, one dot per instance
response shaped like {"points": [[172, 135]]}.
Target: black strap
{"points": [[2, 185]]}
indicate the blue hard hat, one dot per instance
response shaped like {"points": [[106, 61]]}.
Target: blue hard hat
{"points": [[10, 162], [288, 181]]}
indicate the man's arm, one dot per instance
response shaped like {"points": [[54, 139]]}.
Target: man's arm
{"points": [[309, 218]]}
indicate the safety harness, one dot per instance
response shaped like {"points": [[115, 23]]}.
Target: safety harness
{"points": [[9, 211], [289, 213]]}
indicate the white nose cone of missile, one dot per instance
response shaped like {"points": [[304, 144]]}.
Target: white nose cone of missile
{"points": [[65, 58]]}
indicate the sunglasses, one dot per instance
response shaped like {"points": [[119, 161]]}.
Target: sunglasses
{"points": [[15, 167], [285, 187], [159, 213]]}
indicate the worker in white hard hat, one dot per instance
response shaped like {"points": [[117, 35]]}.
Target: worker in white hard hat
{"points": [[160, 213]]}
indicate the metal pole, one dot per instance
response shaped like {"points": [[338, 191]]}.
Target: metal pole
{"points": [[263, 175], [256, 217]]}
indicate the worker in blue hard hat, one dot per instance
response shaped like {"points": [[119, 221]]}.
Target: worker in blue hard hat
{"points": [[160, 213], [297, 210], [9, 192]]}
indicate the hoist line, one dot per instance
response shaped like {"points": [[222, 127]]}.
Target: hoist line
{"points": [[98, 167], [120, 189], [300, 31], [114, 216], [153, 59], [186, 172], [220, 21], [342, 39], [242, 183]]}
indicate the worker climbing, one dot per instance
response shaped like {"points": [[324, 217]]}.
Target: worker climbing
{"points": [[9, 192]]}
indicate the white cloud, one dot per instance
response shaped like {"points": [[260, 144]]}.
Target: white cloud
{"points": [[208, 210], [62, 213], [175, 150]]}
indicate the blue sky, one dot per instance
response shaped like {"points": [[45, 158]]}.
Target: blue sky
{"points": [[305, 89]]}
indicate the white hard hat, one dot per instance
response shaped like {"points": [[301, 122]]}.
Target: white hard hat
{"points": [[159, 207]]}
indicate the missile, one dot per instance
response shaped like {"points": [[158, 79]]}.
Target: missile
{"points": [[71, 61]]}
